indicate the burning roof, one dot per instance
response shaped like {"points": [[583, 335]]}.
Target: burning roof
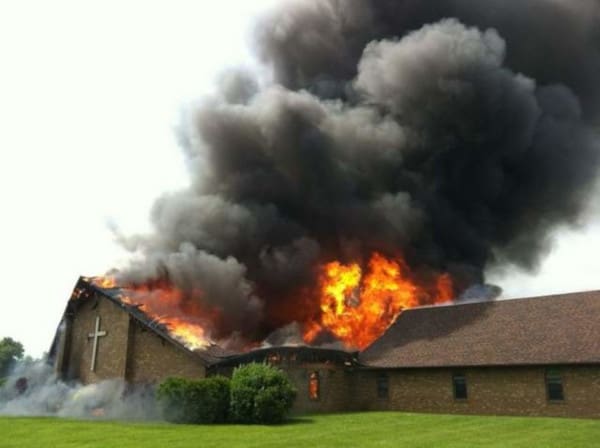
{"points": [[192, 339], [350, 305], [293, 355], [558, 329], [188, 338]]}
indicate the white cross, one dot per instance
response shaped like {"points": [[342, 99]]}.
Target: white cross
{"points": [[95, 335]]}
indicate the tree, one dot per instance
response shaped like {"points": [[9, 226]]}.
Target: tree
{"points": [[10, 352], [260, 393]]}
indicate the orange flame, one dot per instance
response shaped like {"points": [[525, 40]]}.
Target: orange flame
{"points": [[105, 282], [357, 307], [355, 304], [192, 335], [166, 305]]}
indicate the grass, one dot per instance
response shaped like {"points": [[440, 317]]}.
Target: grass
{"points": [[391, 429]]}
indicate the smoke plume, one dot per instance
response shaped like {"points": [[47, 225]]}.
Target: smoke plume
{"points": [[455, 133], [34, 390]]}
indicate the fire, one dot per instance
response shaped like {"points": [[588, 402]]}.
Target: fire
{"points": [[193, 335], [355, 303], [165, 304], [105, 282], [358, 306]]}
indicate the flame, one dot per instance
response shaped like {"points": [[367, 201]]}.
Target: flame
{"points": [[105, 282], [165, 304], [192, 334], [358, 306]]}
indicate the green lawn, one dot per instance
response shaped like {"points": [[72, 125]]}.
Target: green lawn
{"points": [[348, 430]]}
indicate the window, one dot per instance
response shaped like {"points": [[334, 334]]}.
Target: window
{"points": [[382, 385], [554, 385], [273, 358], [459, 384], [314, 386]]}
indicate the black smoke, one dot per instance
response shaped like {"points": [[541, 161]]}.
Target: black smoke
{"points": [[456, 133]]}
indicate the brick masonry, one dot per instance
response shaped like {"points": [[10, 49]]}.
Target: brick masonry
{"points": [[335, 386], [134, 353], [491, 390], [152, 358], [129, 351], [112, 348]]}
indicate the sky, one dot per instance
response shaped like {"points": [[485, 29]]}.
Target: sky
{"points": [[90, 93]]}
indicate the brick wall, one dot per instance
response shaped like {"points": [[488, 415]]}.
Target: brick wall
{"points": [[335, 382], [112, 348], [153, 359], [334, 391], [498, 391], [128, 351], [492, 391]]}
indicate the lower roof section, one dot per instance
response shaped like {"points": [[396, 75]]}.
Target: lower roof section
{"points": [[295, 354], [549, 330]]}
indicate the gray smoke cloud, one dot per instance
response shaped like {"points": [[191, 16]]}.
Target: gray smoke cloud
{"points": [[455, 133], [34, 390]]}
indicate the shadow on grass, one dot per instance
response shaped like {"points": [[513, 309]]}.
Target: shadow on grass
{"points": [[298, 421]]}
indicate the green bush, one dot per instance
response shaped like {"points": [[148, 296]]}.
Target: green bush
{"points": [[171, 396], [194, 401], [260, 394]]}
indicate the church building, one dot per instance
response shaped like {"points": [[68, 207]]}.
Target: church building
{"points": [[536, 356]]}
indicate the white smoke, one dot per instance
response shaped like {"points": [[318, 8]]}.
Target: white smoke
{"points": [[33, 389]]}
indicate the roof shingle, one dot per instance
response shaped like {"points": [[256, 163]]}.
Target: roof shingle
{"points": [[558, 329]]}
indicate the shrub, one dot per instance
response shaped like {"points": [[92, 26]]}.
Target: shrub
{"points": [[260, 394], [194, 401], [171, 395]]}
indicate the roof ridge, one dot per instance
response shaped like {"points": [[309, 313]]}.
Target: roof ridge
{"points": [[491, 301]]}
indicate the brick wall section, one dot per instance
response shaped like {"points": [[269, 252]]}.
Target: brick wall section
{"points": [[153, 359], [128, 351], [335, 392], [112, 348], [491, 391], [494, 391], [334, 389], [61, 363]]}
